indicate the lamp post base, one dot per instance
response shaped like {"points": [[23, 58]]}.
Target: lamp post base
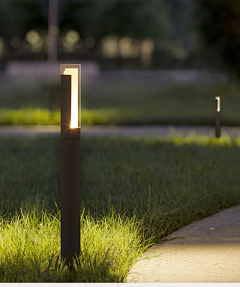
{"points": [[70, 199], [217, 125]]}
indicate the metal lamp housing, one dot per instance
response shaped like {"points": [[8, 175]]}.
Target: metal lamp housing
{"points": [[70, 161]]}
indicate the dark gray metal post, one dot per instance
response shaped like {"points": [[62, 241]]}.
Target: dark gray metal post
{"points": [[70, 177], [217, 122]]}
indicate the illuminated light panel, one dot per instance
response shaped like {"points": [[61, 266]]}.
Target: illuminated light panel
{"points": [[218, 103], [74, 95]]}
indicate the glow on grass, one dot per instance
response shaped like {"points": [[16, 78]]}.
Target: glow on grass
{"points": [[30, 248]]}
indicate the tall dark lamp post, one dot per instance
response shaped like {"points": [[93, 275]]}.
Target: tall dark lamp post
{"points": [[70, 161], [217, 122]]}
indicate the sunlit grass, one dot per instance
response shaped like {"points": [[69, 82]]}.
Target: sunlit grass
{"points": [[45, 117], [30, 248], [29, 117], [134, 191]]}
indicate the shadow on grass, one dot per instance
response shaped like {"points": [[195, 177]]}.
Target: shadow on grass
{"points": [[56, 271]]}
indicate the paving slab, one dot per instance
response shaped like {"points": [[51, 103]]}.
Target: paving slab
{"points": [[205, 251], [137, 131]]}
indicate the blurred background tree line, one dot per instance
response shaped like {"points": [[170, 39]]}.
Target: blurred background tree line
{"points": [[196, 41], [155, 34]]}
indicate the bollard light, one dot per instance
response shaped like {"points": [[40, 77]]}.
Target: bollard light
{"points": [[217, 104], [70, 161], [74, 72], [217, 121]]}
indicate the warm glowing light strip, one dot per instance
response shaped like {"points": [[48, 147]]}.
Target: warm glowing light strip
{"points": [[74, 95], [218, 103]]}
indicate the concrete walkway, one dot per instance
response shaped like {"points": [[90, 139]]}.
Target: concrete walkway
{"points": [[138, 131], [206, 251]]}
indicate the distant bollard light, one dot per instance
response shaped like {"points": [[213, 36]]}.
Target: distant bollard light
{"points": [[217, 122], [70, 161]]}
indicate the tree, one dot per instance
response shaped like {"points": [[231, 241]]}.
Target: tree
{"points": [[20, 16], [91, 18], [181, 14], [220, 31], [134, 18]]}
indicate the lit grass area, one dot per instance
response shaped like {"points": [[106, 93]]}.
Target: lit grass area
{"points": [[29, 117], [118, 102], [44, 117], [30, 249], [134, 192]]}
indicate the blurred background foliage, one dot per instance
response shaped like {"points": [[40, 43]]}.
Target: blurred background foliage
{"points": [[153, 33], [137, 31], [220, 32], [121, 35]]}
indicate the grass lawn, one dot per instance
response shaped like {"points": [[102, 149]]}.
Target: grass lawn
{"points": [[118, 102], [134, 192]]}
